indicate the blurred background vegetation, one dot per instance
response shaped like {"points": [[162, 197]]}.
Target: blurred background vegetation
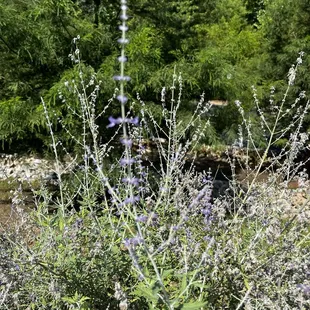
{"points": [[221, 47]]}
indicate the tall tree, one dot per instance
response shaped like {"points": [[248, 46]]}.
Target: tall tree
{"points": [[211, 42]]}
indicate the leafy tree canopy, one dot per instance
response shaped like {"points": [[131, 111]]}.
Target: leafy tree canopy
{"points": [[221, 47]]}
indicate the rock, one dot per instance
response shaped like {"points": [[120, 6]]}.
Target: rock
{"points": [[25, 167]]}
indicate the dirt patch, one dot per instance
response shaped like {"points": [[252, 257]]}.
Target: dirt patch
{"points": [[7, 214], [11, 216]]}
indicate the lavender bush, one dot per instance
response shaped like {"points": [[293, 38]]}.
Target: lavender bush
{"points": [[126, 233]]}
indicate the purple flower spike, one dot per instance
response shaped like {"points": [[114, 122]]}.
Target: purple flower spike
{"points": [[114, 121], [141, 218], [304, 288], [124, 7], [206, 211], [122, 99], [126, 162]]}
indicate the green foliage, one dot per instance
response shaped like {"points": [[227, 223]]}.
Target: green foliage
{"points": [[34, 44], [227, 55], [81, 259], [144, 52], [76, 302], [284, 24], [17, 120], [220, 47]]}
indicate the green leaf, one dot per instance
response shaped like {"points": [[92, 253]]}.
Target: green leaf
{"points": [[143, 291], [192, 305], [184, 283], [167, 273]]}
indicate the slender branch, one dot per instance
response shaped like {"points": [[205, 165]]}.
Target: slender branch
{"points": [[8, 46]]}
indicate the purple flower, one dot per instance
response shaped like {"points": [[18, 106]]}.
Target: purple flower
{"points": [[123, 41], [131, 200], [203, 197], [126, 161], [124, 7], [114, 121], [193, 204], [123, 17], [122, 99], [110, 191], [142, 218], [305, 288], [185, 218], [133, 181], [163, 189], [206, 212], [128, 242], [119, 120], [104, 180], [207, 238], [207, 204], [154, 216], [78, 223], [142, 173], [135, 120], [121, 78], [122, 58], [126, 142], [123, 28]]}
